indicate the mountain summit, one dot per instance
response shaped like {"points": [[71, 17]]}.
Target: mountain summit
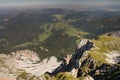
{"points": [[93, 60]]}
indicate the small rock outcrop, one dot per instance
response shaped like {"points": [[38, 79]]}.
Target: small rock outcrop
{"points": [[114, 34]]}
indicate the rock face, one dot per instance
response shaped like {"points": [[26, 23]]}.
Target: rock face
{"points": [[115, 34], [26, 65], [71, 62], [16, 63], [81, 64]]}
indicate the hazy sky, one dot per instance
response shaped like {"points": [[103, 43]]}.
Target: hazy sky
{"points": [[54, 2]]}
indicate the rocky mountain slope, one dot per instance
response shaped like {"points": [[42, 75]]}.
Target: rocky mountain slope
{"points": [[93, 60], [115, 34], [97, 59], [25, 62]]}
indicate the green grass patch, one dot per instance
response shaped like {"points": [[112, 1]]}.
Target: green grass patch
{"points": [[61, 76], [103, 45], [68, 29], [59, 16]]}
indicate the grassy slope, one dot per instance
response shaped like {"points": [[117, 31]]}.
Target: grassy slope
{"points": [[61, 76], [104, 44]]}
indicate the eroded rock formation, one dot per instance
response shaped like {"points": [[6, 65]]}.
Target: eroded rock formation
{"points": [[81, 64]]}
